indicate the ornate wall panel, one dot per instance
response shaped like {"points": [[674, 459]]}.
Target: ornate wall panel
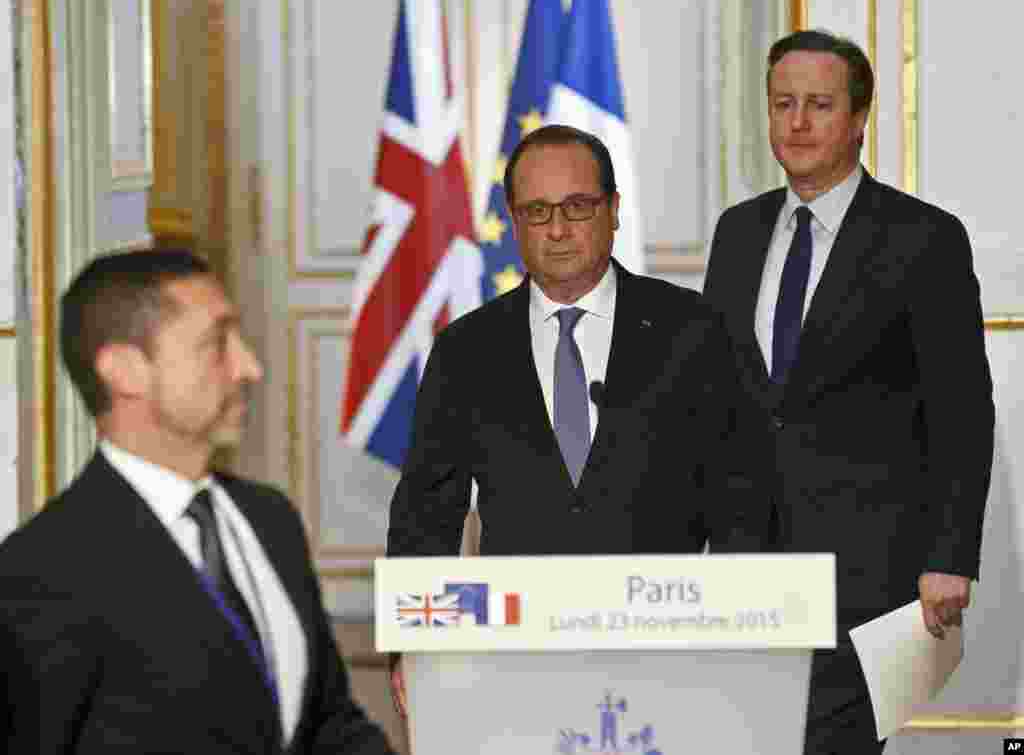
{"points": [[346, 528]]}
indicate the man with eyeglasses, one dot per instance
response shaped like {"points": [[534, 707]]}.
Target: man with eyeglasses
{"points": [[595, 409]]}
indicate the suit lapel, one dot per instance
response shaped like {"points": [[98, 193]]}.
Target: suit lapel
{"points": [[750, 263], [633, 356], [524, 380], [629, 359], [744, 281]]}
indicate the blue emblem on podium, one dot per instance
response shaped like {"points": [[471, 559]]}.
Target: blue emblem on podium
{"points": [[612, 738]]}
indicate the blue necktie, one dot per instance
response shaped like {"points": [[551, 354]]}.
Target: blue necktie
{"points": [[216, 580], [789, 309], [572, 414]]}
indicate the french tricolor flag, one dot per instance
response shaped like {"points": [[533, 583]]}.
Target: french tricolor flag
{"points": [[486, 608]]}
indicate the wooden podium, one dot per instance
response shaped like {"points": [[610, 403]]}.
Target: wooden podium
{"points": [[654, 655]]}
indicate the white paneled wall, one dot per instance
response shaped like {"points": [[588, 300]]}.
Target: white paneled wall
{"points": [[971, 118]]}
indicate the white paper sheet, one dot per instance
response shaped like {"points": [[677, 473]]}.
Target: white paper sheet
{"points": [[904, 665]]}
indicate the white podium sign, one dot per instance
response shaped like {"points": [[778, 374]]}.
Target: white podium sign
{"points": [[606, 655], [605, 603]]}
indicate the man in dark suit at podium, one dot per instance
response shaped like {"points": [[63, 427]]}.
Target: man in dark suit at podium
{"points": [[595, 409], [856, 318], [156, 606]]}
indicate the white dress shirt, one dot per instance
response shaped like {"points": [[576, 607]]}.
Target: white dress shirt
{"points": [[284, 641], [593, 335], [828, 210]]}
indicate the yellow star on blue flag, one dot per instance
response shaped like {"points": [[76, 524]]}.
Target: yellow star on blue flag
{"points": [[540, 55]]}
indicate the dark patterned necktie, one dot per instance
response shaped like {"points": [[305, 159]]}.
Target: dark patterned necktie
{"points": [[214, 562], [216, 579], [789, 308]]}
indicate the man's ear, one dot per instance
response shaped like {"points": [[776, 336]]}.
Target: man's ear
{"points": [[861, 123], [125, 369]]}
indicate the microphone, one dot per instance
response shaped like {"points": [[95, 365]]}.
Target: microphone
{"points": [[597, 393]]}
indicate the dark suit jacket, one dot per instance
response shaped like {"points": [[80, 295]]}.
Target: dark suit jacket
{"points": [[108, 643], [882, 437], [656, 480]]}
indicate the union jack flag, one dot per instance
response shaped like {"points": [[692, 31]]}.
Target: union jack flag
{"points": [[421, 266], [428, 610]]}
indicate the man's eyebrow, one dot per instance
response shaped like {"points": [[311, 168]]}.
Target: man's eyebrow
{"points": [[567, 197], [222, 323]]}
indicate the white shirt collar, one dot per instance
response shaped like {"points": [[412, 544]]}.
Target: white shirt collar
{"points": [[599, 301], [166, 492], [828, 208]]}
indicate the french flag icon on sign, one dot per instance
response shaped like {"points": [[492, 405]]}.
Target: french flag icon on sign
{"points": [[484, 607]]}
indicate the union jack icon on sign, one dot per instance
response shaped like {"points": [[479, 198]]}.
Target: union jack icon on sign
{"points": [[428, 610]]}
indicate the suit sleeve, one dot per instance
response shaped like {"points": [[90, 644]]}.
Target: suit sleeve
{"points": [[49, 667], [956, 387], [432, 498]]}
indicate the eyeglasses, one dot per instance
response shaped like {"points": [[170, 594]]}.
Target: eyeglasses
{"points": [[575, 208]]}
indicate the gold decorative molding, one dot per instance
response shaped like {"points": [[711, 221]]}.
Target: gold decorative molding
{"points": [[215, 235], [165, 134], [188, 200], [467, 79], [797, 15], [170, 222], [42, 251], [162, 143], [967, 722], [1005, 322], [909, 96], [8, 333]]}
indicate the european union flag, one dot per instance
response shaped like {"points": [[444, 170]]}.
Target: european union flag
{"points": [[540, 57], [472, 599]]}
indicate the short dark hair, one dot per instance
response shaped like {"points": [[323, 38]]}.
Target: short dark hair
{"points": [[559, 134], [118, 298], [861, 80]]}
